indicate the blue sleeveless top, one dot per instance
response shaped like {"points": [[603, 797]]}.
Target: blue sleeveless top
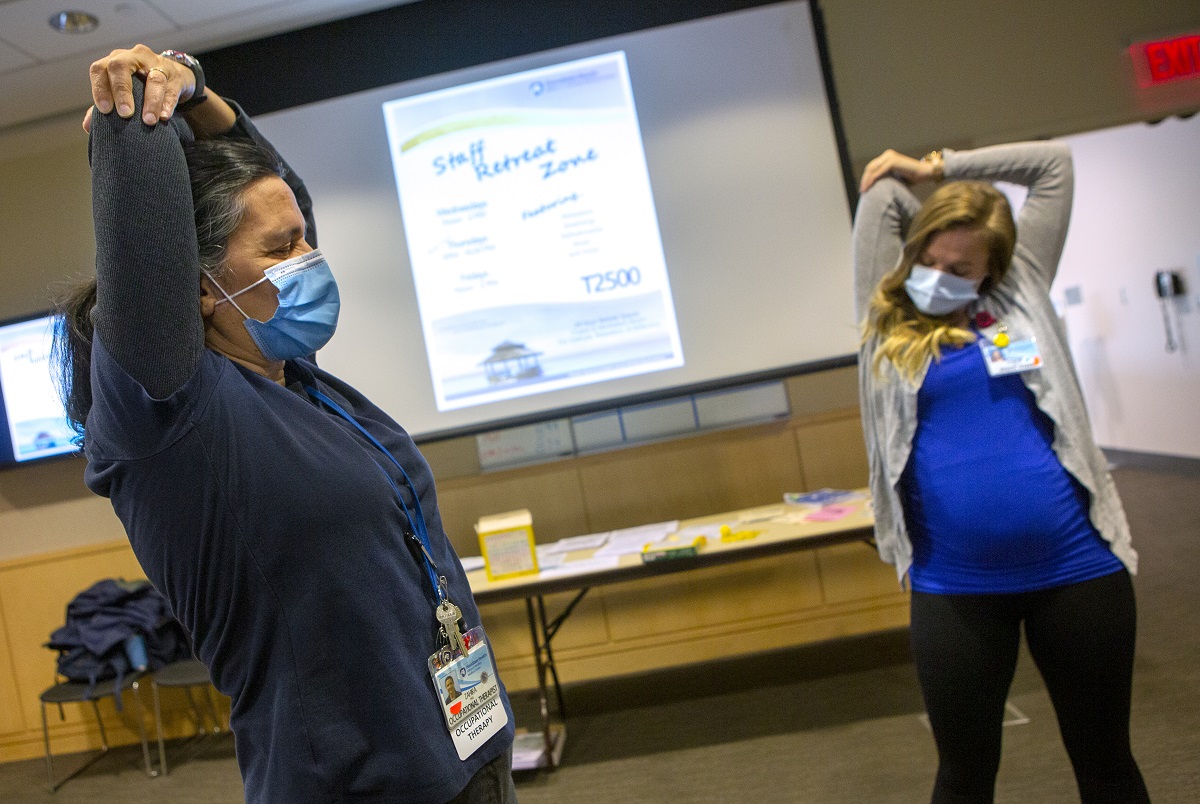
{"points": [[989, 507]]}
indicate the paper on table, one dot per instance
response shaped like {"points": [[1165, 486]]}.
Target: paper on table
{"points": [[472, 563], [762, 514], [822, 497], [548, 560], [572, 543], [830, 513], [632, 540], [581, 566]]}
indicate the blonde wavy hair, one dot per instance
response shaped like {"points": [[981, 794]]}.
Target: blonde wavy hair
{"points": [[908, 337]]}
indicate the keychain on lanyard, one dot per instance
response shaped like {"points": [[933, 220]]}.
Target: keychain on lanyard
{"points": [[448, 615]]}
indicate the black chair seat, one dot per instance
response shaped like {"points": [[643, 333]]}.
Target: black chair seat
{"points": [[186, 673], [77, 691], [84, 692], [183, 674]]}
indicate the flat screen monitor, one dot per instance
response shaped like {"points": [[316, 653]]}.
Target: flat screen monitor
{"points": [[33, 424], [633, 217]]}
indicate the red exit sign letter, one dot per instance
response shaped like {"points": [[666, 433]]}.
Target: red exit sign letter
{"points": [[1166, 59]]}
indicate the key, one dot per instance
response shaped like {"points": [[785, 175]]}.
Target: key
{"points": [[448, 615]]}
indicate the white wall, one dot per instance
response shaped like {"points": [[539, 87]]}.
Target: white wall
{"points": [[1137, 211], [46, 239]]}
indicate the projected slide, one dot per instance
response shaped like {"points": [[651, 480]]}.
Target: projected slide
{"points": [[532, 232], [36, 424]]}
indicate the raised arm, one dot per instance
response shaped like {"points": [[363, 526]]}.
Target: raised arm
{"points": [[147, 311], [1045, 168], [147, 264], [168, 92], [884, 212]]}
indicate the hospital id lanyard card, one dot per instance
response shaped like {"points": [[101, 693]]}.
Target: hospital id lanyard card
{"points": [[1020, 355], [464, 679], [1004, 353]]}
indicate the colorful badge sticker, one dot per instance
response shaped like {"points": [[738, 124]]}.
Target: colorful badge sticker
{"points": [[469, 693]]}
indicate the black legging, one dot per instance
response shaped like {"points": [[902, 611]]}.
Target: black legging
{"points": [[1081, 636]]}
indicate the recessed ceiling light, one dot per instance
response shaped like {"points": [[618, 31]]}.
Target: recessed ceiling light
{"points": [[74, 22]]}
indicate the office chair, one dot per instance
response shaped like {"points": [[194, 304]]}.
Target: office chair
{"points": [[185, 674], [79, 692]]}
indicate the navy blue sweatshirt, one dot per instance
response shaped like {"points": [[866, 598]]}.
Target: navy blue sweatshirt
{"points": [[267, 521]]}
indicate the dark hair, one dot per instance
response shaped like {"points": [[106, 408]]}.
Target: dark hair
{"points": [[71, 352], [219, 171]]}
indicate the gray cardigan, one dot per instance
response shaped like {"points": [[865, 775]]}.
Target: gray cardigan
{"points": [[1022, 301]]}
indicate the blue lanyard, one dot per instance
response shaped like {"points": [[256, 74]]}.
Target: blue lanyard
{"points": [[417, 524]]}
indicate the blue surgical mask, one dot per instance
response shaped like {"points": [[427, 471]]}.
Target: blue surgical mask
{"points": [[936, 292], [308, 308]]}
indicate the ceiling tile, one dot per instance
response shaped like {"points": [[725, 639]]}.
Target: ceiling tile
{"points": [[44, 90], [54, 80], [189, 12], [11, 58], [121, 23], [254, 19]]}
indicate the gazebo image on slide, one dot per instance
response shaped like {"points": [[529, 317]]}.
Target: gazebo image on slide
{"points": [[511, 362]]}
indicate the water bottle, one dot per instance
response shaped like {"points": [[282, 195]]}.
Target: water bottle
{"points": [[135, 651]]}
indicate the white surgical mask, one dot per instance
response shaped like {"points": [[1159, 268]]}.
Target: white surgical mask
{"points": [[936, 292]]}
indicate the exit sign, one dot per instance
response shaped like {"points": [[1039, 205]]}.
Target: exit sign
{"points": [[1166, 59]]}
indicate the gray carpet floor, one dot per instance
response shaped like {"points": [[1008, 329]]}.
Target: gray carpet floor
{"points": [[841, 722]]}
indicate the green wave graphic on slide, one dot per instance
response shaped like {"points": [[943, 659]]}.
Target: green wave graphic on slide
{"points": [[497, 119]]}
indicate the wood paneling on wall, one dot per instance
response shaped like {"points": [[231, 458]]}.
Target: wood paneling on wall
{"points": [[624, 628], [832, 452], [551, 491], [690, 477], [33, 597]]}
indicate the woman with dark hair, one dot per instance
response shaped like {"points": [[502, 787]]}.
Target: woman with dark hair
{"points": [[292, 525], [989, 493]]}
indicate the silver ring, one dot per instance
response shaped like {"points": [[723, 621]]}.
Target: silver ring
{"points": [[161, 70]]}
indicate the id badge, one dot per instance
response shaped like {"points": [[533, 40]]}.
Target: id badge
{"points": [[469, 693], [1017, 356]]}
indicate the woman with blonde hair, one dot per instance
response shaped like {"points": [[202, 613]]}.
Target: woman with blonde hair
{"points": [[990, 496]]}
